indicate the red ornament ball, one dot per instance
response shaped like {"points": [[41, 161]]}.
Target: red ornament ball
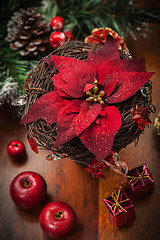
{"points": [[56, 39], [69, 35], [57, 23], [57, 220]]}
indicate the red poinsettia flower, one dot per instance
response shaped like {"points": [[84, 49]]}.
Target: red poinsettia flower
{"points": [[82, 100]]}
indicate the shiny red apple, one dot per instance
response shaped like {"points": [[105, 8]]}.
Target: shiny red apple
{"points": [[28, 190], [57, 220], [16, 150]]}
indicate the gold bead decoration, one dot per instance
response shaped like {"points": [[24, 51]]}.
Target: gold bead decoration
{"points": [[91, 98], [102, 102], [95, 81], [94, 96], [102, 93], [88, 93], [99, 99], [95, 89]]}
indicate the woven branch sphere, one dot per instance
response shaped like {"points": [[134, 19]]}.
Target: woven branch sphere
{"points": [[39, 83]]}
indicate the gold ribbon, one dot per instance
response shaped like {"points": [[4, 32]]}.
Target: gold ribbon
{"points": [[141, 177], [117, 204]]}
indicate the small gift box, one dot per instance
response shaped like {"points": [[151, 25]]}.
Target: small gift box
{"points": [[140, 181], [120, 209]]}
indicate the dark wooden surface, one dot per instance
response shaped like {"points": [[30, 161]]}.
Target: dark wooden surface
{"points": [[66, 182], [147, 225], [70, 183]]}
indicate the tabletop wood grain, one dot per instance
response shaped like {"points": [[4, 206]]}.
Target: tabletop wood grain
{"points": [[68, 182], [147, 209]]}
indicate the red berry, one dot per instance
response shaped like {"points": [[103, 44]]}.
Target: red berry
{"points": [[69, 35], [57, 23], [56, 39]]}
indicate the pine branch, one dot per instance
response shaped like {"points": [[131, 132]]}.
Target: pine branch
{"points": [[10, 63], [12, 66], [123, 16]]}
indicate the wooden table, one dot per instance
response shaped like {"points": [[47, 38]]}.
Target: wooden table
{"points": [[70, 183]]}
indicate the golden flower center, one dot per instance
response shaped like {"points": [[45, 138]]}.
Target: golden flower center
{"points": [[94, 95]]}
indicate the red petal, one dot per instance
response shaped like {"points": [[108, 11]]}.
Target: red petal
{"points": [[99, 138], [58, 80], [46, 107], [62, 93], [109, 87], [60, 84], [66, 122], [88, 87], [108, 52], [76, 73], [119, 66], [87, 114], [98, 120], [102, 113], [128, 83]]}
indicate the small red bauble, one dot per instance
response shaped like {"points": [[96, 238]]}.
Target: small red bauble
{"points": [[56, 39], [57, 220], [57, 23], [28, 190], [16, 150], [69, 35]]}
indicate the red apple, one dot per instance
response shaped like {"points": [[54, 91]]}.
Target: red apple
{"points": [[16, 150], [57, 219], [28, 190]]}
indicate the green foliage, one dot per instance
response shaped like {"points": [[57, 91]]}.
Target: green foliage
{"points": [[12, 66], [10, 63], [124, 16]]}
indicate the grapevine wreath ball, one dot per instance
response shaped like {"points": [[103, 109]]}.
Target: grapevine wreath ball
{"points": [[83, 101]]}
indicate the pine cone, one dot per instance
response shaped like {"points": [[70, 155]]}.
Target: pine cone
{"points": [[27, 33]]}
